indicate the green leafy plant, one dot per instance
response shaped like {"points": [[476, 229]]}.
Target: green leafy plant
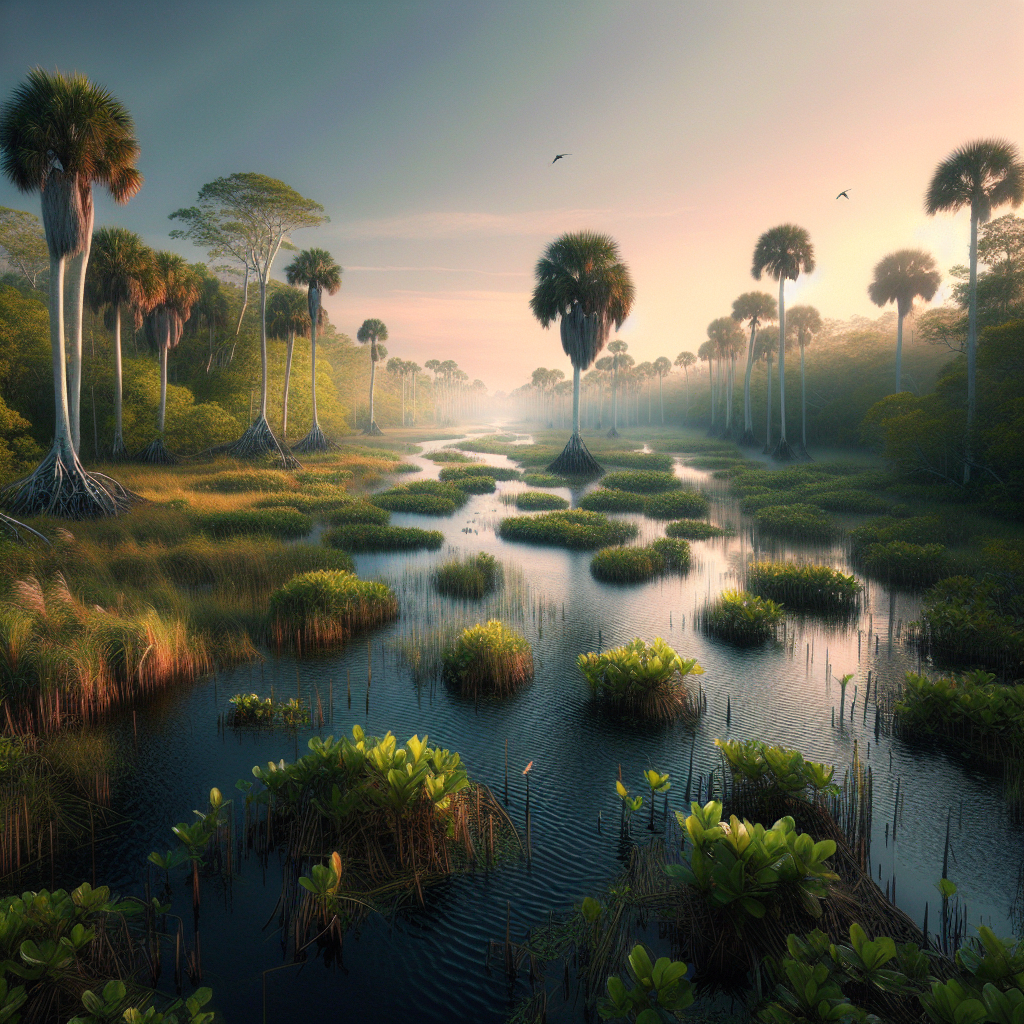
{"points": [[636, 564], [489, 658], [660, 991], [813, 587], [695, 529], [798, 521], [742, 618]]}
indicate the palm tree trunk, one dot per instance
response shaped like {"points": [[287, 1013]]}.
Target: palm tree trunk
{"points": [[782, 449], [62, 420], [686, 377], [118, 450], [263, 347], [79, 266], [615, 401], [748, 408], [972, 339], [901, 312], [287, 381], [163, 389], [803, 401], [768, 429], [414, 398], [711, 387], [661, 398]]}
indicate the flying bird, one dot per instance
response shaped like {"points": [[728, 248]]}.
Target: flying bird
{"points": [[559, 157], [843, 193]]}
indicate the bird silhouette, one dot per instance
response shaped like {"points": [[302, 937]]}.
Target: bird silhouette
{"points": [[559, 157], [843, 193]]}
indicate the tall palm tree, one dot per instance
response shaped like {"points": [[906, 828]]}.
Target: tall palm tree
{"points": [[766, 346], [179, 289], [662, 366], [901, 277], [757, 308], [784, 252], [583, 283], [413, 369], [287, 316], [316, 269], [684, 361], [727, 341], [118, 278], [981, 175], [806, 322], [645, 374], [706, 354], [372, 333], [60, 134], [619, 360]]}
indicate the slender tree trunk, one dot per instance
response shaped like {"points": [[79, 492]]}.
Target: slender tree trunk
{"points": [[245, 302], [661, 398], [79, 265], [118, 446], [287, 381], [263, 347], [313, 303], [972, 340], [414, 399], [768, 428], [575, 401], [615, 399], [901, 312], [686, 377], [373, 373], [782, 448], [62, 418], [748, 408], [161, 416], [711, 386], [803, 401]]}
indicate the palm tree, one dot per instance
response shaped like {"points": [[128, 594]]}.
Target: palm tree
{"points": [[645, 373], [766, 346], [619, 359], [316, 269], [119, 271], [413, 369], [901, 277], [806, 322], [756, 308], [59, 135], [372, 333], [784, 252], [582, 282], [982, 175], [662, 366], [287, 316], [685, 360], [727, 341], [706, 354]]}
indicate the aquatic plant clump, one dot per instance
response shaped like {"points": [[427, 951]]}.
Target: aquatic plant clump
{"points": [[488, 659], [742, 618], [472, 577], [695, 529], [657, 461], [770, 771], [455, 474], [357, 511], [909, 529], [850, 501], [676, 505], [285, 523], [426, 497], [476, 484], [604, 500], [797, 521], [317, 610], [574, 528], [544, 480], [372, 537], [449, 455], [642, 482], [914, 566], [250, 711], [539, 501], [645, 681], [811, 587], [637, 564]]}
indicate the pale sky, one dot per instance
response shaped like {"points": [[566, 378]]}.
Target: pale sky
{"points": [[427, 131]]}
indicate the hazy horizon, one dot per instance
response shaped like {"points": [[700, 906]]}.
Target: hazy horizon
{"points": [[427, 132]]}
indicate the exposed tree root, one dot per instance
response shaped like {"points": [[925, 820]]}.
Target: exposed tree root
{"points": [[783, 452], [314, 441], [612, 433], [373, 430], [805, 454], [60, 487], [747, 440], [14, 528], [156, 454], [575, 460], [257, 441], [118, 452]]}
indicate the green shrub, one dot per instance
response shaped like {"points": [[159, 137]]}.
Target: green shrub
{"points": [[742, 618], [770, 772], [241, 481], [316, 610], [646, 681], [273, 522], [801, 522], [373, 537], [358, 511], [604, 500], [900, 564], [813, 587], [539, 501], [676, 505], [454, 474], [636, 564], [490, 659], [574, 528], [694, 529], [474, 576], [544, 480], [968, 622], [642, 482], [637, 460]]}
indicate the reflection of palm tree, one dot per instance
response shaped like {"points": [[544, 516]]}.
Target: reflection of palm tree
{"points": [[372, 333], [756, 308], [784, 252], [59, 135], [118, 272], [316, 269], [685, 360], [901, 277], [287, 316], [582, 282], [981, 175], [806, 322]]}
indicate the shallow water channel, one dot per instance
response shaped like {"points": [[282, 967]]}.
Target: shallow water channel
{"points": [[429, 963]]}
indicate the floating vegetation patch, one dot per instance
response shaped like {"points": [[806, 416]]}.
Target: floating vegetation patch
{"points": [[538, 501], [850, 501], [575, 528], [799, 522], [488, 659], [318, 610], [741, 618], [807, 587], [544, 480], [318, 501], [456, 474], [471, 577], [657, 461], [358, 511], [642, 482], [250, 711], [641, 680], [476, 484], [372, 537], [449, 455], [913, 566], [284, 523], [604, 500], [637, 564], [425, 497], [696, 529], [676, 505]]}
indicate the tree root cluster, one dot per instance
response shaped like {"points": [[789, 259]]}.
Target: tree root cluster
{"points": [[373, 430], [575, 460], [314, 441], [259, 441], [156, 454]]}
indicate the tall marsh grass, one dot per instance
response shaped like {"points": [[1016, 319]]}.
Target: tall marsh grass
{"points": [[373, 537], [638, 564], [808, 587], [741, 618], [576, 528], [489, 659], [471, 577]]}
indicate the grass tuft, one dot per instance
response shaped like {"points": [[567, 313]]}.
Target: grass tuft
{"points": [[373, 537], [491, 659], [808, 587], [472, 577], [576, 528], [539, 501], [742, 618]]}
